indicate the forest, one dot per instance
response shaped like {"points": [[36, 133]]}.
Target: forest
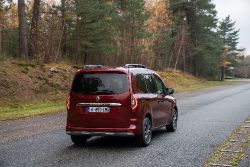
{"points": [[181, 35]]}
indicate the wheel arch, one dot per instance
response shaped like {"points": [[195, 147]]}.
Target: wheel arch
{"points": [[147, 112], [175, 107], [148, 115]]}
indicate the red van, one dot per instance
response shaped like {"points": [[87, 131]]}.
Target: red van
{"points": [[124, 101]]}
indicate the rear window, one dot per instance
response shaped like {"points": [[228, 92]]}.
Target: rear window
{"points": [[100, 83]]}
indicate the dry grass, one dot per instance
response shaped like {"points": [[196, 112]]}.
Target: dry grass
{"points": [[22, 82], [185, 82], [28, 89]]}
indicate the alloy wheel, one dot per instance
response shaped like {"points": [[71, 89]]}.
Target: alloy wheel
{"points": [[147, 130]]}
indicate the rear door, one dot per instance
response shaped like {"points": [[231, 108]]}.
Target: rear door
{"points": [[100, 100], [145, 89], [164, 105]]}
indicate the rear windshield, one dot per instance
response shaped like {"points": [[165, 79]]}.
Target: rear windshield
{"points": [[100, 83]]}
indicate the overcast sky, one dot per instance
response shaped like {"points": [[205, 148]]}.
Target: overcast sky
{"points": [[239, 10]]}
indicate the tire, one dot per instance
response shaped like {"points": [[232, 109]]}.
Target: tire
{"points": [[79, 140], [145, 138], [173, 125]]}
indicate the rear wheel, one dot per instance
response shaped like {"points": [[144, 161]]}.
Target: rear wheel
{"points": [[79, 140], [145, 138], [173, 125]]}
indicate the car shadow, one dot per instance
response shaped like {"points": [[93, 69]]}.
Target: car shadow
{"points": [[114, 142], [110, 145]]}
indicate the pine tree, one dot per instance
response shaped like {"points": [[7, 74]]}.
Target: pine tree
{"points": [[180, 56], [92, 33], [204, 49], [5, 5], [229, 36], [131, 28], [202, 20]]}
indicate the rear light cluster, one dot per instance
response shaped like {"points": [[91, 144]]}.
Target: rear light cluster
{"points": [[68, 103], [134, 103]]}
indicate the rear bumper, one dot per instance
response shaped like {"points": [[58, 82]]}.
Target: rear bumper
{"points": [[84, 133], [131, 131]]}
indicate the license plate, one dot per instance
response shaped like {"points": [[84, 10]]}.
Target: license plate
{"points": [[98, 109]]}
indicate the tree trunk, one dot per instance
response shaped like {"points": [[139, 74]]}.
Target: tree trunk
{"points": [[64, 28], [178, 54], [33, 38], [222, 73], [23, 46], [78, 50], [194, 63], [1, 38], [85, 57], [78, 42], [132, 39]]}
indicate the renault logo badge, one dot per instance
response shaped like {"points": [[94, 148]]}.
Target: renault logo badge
{"points": [[97, 98]]}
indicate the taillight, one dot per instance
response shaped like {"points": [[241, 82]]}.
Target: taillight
{"points": [[68, 103], [134, 103]]}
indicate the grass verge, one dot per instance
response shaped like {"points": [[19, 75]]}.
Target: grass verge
{"points": [[182, 82], [205, 84], [178, 80], [16, 111], [232, 151]]}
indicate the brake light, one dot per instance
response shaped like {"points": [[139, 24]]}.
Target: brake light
{"points": [[68, 103], [134, 103]]}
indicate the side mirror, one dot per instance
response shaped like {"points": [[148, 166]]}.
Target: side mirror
{"points": [[170, 91]]}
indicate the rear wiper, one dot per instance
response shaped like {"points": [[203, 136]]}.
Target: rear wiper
{"points": [[105, 92]]}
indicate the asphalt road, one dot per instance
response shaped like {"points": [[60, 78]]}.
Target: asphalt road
{"points": [[206, 119]]}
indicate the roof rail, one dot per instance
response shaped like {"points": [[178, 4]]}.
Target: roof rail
{"points": [[134, 66], [90, 66]]}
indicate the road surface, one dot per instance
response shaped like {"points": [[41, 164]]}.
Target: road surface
{"points": [[206, 118]]}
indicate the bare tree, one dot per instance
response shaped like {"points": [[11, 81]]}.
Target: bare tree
{"points": [[22, 29]]}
